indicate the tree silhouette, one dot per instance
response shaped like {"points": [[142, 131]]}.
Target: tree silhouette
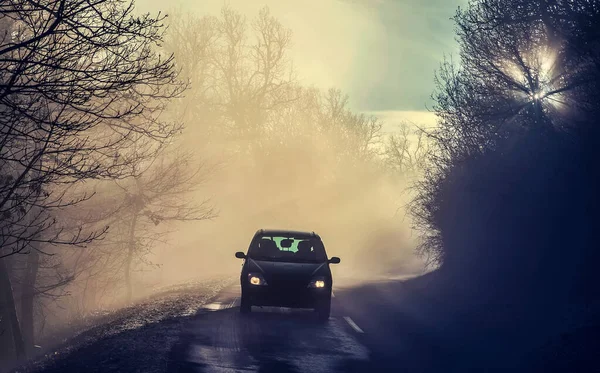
{"points": [[527, 69], [508, 205], [157, 195], [73, 76], [240, 72]]}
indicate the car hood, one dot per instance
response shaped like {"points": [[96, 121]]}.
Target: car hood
{"points": [[285, 268]]}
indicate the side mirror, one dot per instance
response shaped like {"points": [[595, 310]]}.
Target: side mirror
{"points": [[334, 260], [240, 255]]}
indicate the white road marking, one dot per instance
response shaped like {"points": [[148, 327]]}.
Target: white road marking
{"points": [[213, 306], [216, 306], [353, 324], [233, 303]]}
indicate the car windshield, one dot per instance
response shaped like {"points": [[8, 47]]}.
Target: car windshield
{"points": [[288, 249]]}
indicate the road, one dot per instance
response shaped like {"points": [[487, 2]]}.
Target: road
{"points": [[357, 338], [377, 325]]}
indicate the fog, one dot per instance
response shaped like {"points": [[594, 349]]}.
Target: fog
{"points": [[144, 142], [269, 140], [156, 146], [307, 161], [329, 37], [360, 217]]}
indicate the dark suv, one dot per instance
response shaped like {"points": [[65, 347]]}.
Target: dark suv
{"points": [[287, 269]]}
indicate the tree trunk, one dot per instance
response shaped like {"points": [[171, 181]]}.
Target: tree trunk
{"points": [[27, 300], [129, 260], [8, 312]]}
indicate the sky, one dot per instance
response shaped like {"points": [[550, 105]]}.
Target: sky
{"points": [[382, 53]]}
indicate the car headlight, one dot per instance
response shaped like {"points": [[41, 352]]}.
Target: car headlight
{"points": [[318, 283], [256, 279]]}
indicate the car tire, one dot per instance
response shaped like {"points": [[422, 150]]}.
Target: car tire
{"points": [[245, 305], [323, 311]]}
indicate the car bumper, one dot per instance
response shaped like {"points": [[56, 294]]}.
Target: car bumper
{"points": [[282, 297]]}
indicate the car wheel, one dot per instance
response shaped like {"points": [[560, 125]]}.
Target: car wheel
{"points": [[245, 305], [323, 311]]}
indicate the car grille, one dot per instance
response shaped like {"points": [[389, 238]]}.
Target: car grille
{"points": [[287, 282]]}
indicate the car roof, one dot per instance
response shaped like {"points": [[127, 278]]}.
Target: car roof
{"points": [[285, 232]]}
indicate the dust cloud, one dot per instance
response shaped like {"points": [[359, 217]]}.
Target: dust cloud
{"points": [[262, 147], [360, 215], [295, 158]]}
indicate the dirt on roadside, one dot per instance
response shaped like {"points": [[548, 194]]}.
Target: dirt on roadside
{"points": [[137, 338]]}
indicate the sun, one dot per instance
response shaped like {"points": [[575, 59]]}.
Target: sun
{"points": [[535, 75], [539, 95]]}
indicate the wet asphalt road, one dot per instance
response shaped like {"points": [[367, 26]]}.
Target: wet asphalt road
{"points": [[220, 339]]}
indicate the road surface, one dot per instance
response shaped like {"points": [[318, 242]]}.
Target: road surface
{"points": [[357, 337], [219, 339], [377, 325]]}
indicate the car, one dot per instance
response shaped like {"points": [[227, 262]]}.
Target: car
{"points": [[289, 269]]}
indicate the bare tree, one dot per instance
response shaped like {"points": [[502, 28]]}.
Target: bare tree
{"points": [[62, 86], [525, 88], [245, 93], [406, 150], [239, 71], [73, 76], [160, 193], [355, 135]]}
